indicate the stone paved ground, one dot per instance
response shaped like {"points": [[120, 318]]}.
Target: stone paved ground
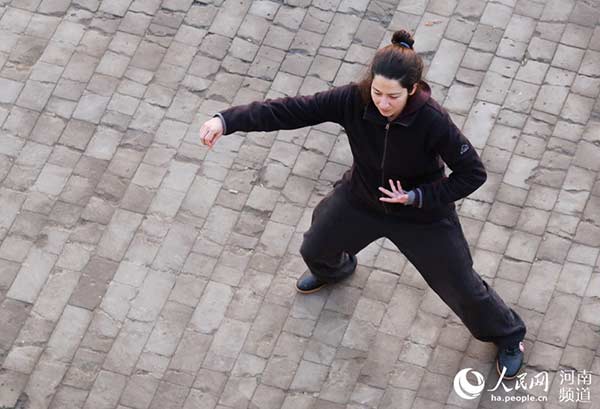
{"points": [[140, 270]]}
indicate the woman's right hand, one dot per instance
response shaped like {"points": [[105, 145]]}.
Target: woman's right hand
{"points": [[210, 131]]}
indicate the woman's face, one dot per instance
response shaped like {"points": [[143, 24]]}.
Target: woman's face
{"points": [[389, 96]]}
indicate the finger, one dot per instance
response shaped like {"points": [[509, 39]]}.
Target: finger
{"points": [[392, 186], [207, 137], [398, 199], [213, 138], [389, 199], [400, 187], [210, 138], [387, 192]]}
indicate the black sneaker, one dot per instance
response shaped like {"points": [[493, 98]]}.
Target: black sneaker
{"points": [[510, 360], [308, 283]]}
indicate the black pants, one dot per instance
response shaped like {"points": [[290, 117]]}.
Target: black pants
{"points": [[439, 251]]}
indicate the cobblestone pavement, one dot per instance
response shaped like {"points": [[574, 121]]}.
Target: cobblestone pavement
{"points": [[140, 270]]}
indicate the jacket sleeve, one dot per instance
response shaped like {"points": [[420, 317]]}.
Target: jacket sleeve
{"points": [[289, 112], [468, 172]]}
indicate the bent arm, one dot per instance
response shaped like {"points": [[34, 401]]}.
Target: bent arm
{"points": [[468, 172], [287, 113]]}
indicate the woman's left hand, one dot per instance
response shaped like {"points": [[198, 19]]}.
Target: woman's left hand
{"points": [[396, 195]]}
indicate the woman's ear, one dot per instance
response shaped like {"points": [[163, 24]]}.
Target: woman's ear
{"points": [[413, 90]]}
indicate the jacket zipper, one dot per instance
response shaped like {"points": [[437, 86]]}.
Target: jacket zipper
{"points": [[387, 128]]}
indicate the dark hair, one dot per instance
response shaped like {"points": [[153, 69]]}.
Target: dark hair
{"points": [[397, 61]]}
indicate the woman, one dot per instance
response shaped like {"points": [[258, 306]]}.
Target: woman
{"points": [[397, 188]]}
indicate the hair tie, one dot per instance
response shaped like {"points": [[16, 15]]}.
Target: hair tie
{"points": [[405, 45]]}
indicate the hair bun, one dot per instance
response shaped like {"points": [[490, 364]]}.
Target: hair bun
{"points": [[403, 38]]}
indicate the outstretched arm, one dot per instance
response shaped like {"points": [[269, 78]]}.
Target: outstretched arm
{"points": [[281, 113]]}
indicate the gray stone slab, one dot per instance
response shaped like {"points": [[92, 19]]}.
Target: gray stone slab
{"points": [[127, 347], [429, 32], [169, 328], [118, 235], [11, 90], [93, 283], [107, 387], [44, 382], [152, 295], [32, 276]]}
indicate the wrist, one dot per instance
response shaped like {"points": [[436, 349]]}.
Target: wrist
{"points": [[411, 198], [218, 115]]}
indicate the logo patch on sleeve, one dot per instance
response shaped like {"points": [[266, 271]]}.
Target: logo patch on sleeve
{"points": [[464, 148]]}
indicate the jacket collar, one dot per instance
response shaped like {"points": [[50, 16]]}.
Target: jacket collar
{"points": [[408, 114]]}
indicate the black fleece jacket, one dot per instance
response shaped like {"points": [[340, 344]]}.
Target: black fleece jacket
{"points": [[412, 148]]}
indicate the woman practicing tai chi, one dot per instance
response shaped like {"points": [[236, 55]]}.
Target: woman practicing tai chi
{"points": [[397, 188]]}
